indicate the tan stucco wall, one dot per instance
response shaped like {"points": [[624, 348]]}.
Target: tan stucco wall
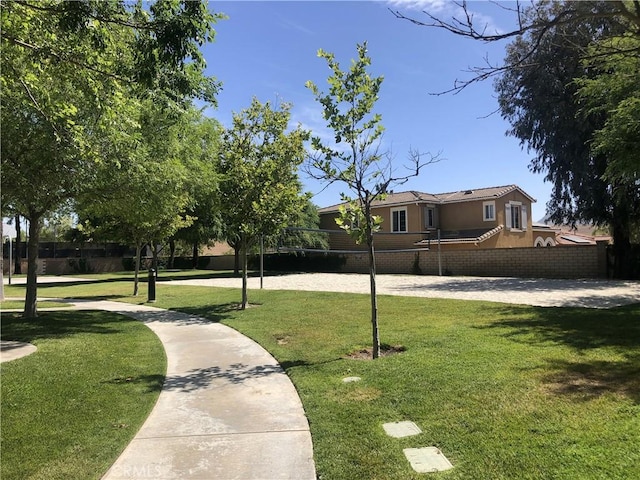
{"points": [[449, 216]]}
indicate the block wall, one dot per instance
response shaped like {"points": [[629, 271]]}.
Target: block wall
{"points": [[554, 262]]}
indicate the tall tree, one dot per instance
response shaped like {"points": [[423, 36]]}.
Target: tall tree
{"points": [[144, 199], [68, 70], [552, 88], [355, 158], [541, 102], [200, 151], [614, 93], [260, 188], [534, 20]]}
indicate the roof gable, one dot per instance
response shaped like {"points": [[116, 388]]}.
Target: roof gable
{"points": [[411, 196]]}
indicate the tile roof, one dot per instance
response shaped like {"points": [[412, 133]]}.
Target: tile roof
{"points": [[411, 196]]}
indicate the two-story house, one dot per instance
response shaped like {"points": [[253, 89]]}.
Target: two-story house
{"points": [[494, 217]]}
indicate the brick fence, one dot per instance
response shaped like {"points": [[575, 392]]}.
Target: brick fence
{"points": [[585, 261]]}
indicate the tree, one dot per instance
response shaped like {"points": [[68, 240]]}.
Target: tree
{"points": [[68, 72], [541, 103], [614, 93], [560, 54], [260, 188], [355, 158], [144, 198], [199, 154], [535, 20], [302, 231]]}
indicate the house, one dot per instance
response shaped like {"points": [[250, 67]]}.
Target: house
{"points": [[494, 217], [547, 235]]}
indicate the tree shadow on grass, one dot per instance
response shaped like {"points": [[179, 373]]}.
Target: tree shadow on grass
{"points": [[617, 330], [152, 382], [589, 380], [578, 328], [215, 313], [58, 325]]}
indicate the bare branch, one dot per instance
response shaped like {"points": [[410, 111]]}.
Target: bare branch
{"points": [[533, 21]]}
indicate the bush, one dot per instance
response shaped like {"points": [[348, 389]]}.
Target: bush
{"points": [[80, 265], [290, 262]]}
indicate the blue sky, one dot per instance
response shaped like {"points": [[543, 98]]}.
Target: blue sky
{"points": [[269, 50]]}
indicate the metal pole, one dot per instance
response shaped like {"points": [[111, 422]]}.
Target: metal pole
{"points": [[439, 258], [151, 286], [10, 260], [261, 260]]}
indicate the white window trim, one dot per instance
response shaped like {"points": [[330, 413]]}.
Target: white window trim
{"points": [[523, 216], [426, 217], [406, 220], [484, 211]]}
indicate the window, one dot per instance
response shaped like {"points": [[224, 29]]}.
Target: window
{"points": [[429, 217], [515, 216], [398, 219], [489, 211]]}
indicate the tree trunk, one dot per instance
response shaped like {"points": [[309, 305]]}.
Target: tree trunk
{"points": [[31, 297], [236, 259], [154, 260], [195, 256], [136, 268], [18, 259], [621, 237], [244, 275], [374, 299], [2, 259], [172, 253]]}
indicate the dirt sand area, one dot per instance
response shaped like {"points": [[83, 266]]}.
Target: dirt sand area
{"points": [[589, 293]]}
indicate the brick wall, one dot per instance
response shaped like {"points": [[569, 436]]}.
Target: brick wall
{"points": [[554, 262]]}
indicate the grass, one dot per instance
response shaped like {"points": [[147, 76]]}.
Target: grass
{"points": [[19, 304], [69, 409], [505, 391]]}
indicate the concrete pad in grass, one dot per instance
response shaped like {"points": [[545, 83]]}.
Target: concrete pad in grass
{"points": [[401, 429], [427, 459]]}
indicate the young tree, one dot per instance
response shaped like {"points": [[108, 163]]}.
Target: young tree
{"points": [[356, 159], [260, 188]]}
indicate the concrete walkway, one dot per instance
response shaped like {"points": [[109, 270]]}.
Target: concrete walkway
{"points": [[226, 411]]}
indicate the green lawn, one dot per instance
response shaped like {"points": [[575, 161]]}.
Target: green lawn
{"points": [[69, 409], [504, 391]]}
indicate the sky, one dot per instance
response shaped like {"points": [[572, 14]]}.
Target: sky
{"points": [[269, 50]]}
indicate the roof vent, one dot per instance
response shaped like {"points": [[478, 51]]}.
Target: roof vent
{"points": [[468, 192]]}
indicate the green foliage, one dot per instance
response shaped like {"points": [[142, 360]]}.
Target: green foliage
{"points": [[352, 220], [615, 94], [347, 108], [72, 76], [300, 232], [579, 141], [355, 158], [259, 161], [260, 187]]}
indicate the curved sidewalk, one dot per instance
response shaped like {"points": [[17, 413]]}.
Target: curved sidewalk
{"points": [[227, 410]]}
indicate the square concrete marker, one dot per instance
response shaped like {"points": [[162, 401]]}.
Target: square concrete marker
{"points": [[427, 459], [401, 429], [351, 379]]}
